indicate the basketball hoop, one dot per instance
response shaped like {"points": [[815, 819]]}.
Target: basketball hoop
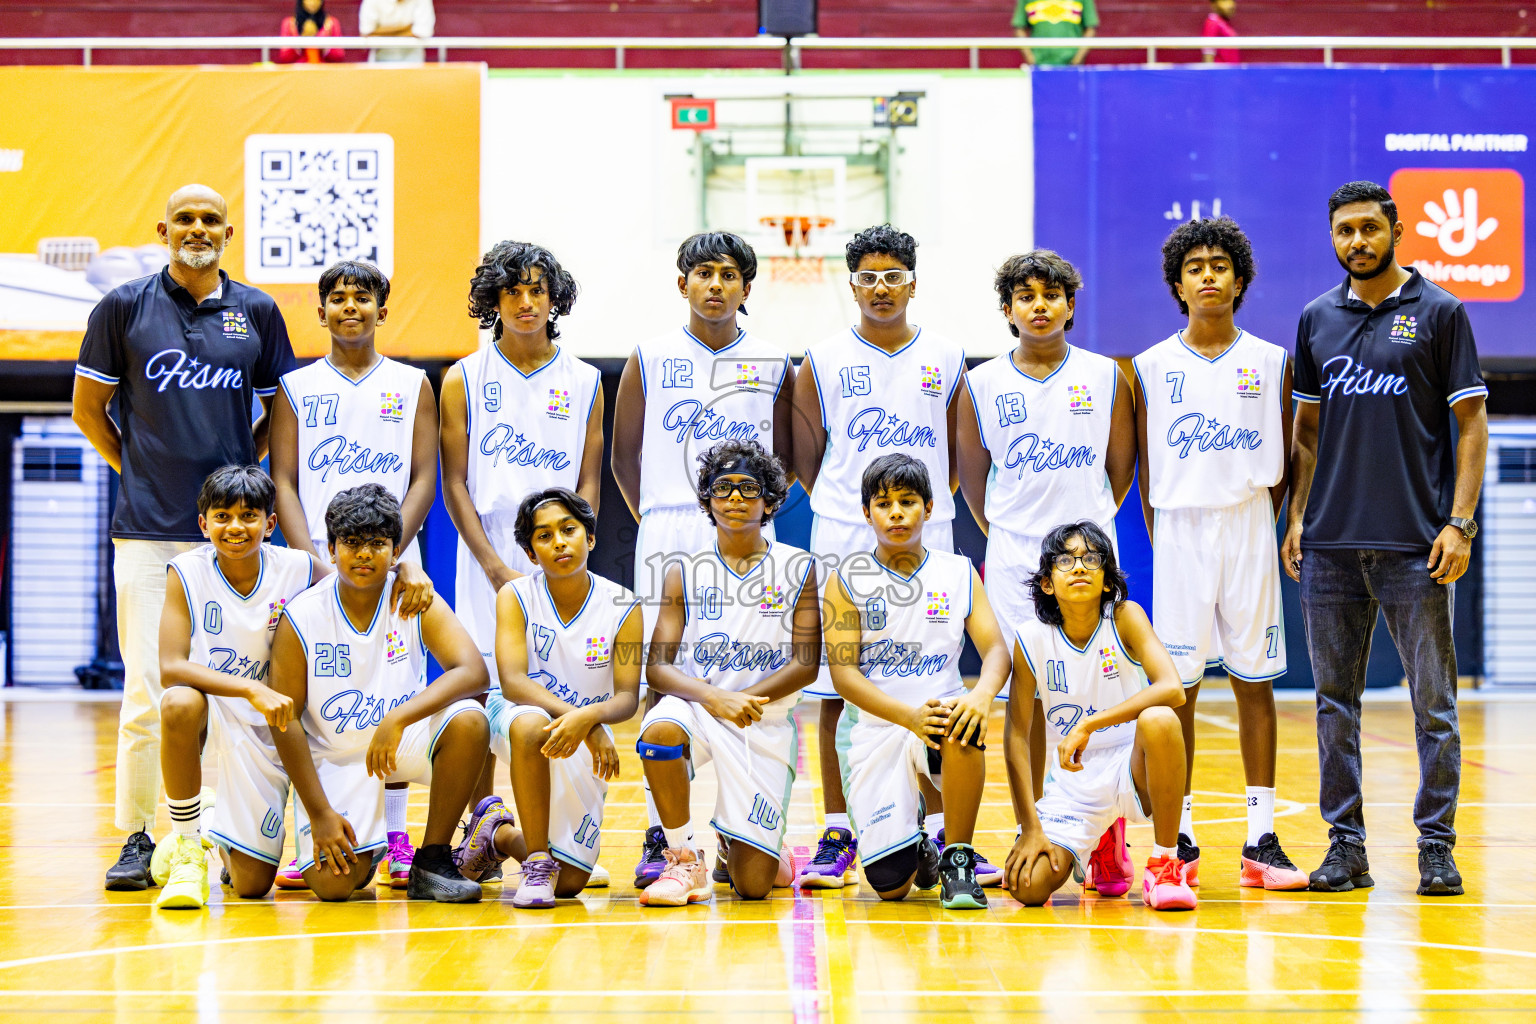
{"points": [[797, 228]]}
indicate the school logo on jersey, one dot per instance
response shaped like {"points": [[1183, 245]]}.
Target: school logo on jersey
{"points": [[1248, 383], [235, 324], [747, 377], [932, 381], [597, 652], [275, 612], [559, 407], [394, 647], [771, 602], [938, 606], [1079, 401], [391, 406], [1405, 330], [1109, 661]]}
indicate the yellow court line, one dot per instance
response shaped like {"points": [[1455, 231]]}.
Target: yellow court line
{"points": [[398, 995], [839, 957]]}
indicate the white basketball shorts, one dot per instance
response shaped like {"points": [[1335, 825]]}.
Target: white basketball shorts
{"points": [[1216, 589], [1076, 807], [754, 769], [359, 797], [576, 794]]}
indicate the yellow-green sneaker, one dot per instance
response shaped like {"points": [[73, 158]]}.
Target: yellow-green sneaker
{"points": [[186, 885], [161, 862]]}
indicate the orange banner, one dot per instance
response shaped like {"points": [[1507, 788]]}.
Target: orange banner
{"points": [[317, 163]]}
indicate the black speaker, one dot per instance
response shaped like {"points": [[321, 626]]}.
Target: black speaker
{"points": [[787, 17]]}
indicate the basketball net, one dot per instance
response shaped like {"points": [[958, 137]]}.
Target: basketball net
{"points": [[795, 268]]}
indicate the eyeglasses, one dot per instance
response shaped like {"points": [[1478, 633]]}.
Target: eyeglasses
{"points": [[892, 278], [1091, 560], [748, 489]]}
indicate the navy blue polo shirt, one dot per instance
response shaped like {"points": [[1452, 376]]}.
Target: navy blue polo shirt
{"points": [[1384, 381], [185, 375]]}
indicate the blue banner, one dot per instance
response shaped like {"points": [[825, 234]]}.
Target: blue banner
{"points": [[1123, 156]]}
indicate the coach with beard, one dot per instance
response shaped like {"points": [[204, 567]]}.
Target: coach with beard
{"points": [[1382, 498], [185, 351]]}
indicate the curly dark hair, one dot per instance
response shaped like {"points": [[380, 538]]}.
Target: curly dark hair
{"points": [[762, 464], [882, 240], [1055, 543], [506, 266], [1214, 233], [368, 510], [1043, 265], [522, 527]]}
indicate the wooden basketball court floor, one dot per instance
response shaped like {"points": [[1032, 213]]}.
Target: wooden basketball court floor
{"points": [[72, 951]]}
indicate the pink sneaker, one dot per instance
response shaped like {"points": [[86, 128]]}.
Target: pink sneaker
{"points": [[1109, 868], [786, 876], [396, 864], [1266, 865], [1163, 886], [289, 877], [684, 880]]}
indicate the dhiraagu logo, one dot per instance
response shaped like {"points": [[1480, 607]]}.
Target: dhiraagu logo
{"points": [[1464, 229]]}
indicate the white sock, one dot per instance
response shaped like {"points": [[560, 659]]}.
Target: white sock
{"points": [[1187, 820], [1261, 813], [394, 809], [839, 821], [185, 815], [933, 824], [1164, 851], [680, 838], [652, 819]]}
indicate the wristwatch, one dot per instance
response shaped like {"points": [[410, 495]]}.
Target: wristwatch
{"points": [[1466, 526]]}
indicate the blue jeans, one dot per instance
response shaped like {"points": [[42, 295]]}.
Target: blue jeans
{"points": [[1340, 593]]}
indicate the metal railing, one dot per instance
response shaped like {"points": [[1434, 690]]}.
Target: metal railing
{"points": [[1326, 45]]}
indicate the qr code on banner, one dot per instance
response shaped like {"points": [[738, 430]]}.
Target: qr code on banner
{"points": [[314, 199]]}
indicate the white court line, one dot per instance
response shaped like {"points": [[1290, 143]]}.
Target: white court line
{"points": [[669, 993], [1164, 929]]}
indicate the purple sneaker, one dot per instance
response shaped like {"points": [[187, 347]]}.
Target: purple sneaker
{"points": [[832, 867], [537, 889], [987, 873], [653, 860], [476, 852]]}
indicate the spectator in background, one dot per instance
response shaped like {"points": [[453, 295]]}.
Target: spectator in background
{"points": [[409, 18], [1055, 19], [309, 19], [1218, 24]]}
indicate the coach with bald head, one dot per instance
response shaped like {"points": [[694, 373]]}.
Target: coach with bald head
{"points": [[185, 352]]}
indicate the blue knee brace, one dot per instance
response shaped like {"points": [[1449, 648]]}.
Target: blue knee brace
{"points": [[659, 751]]}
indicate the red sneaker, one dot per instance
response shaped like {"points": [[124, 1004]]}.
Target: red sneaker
{"points": [[1110, 870]]}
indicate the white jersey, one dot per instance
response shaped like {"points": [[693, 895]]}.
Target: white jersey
{"points": [[574, 660], [351, 432], [913, 627], [1049, 441], [1073, 682], [233, 634], [695, 398], [874, 403], [527, 431], [1215, 436], [740, 629], [355, 677]]}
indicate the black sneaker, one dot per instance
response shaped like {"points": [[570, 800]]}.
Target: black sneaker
{"points": [[131, 872], [491, 874], [1344, 868], [722, 871], [1437, 871], [1189, 853], [653, 857], [959, 889], [224, 878], [927, 863], [434, 876]]}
